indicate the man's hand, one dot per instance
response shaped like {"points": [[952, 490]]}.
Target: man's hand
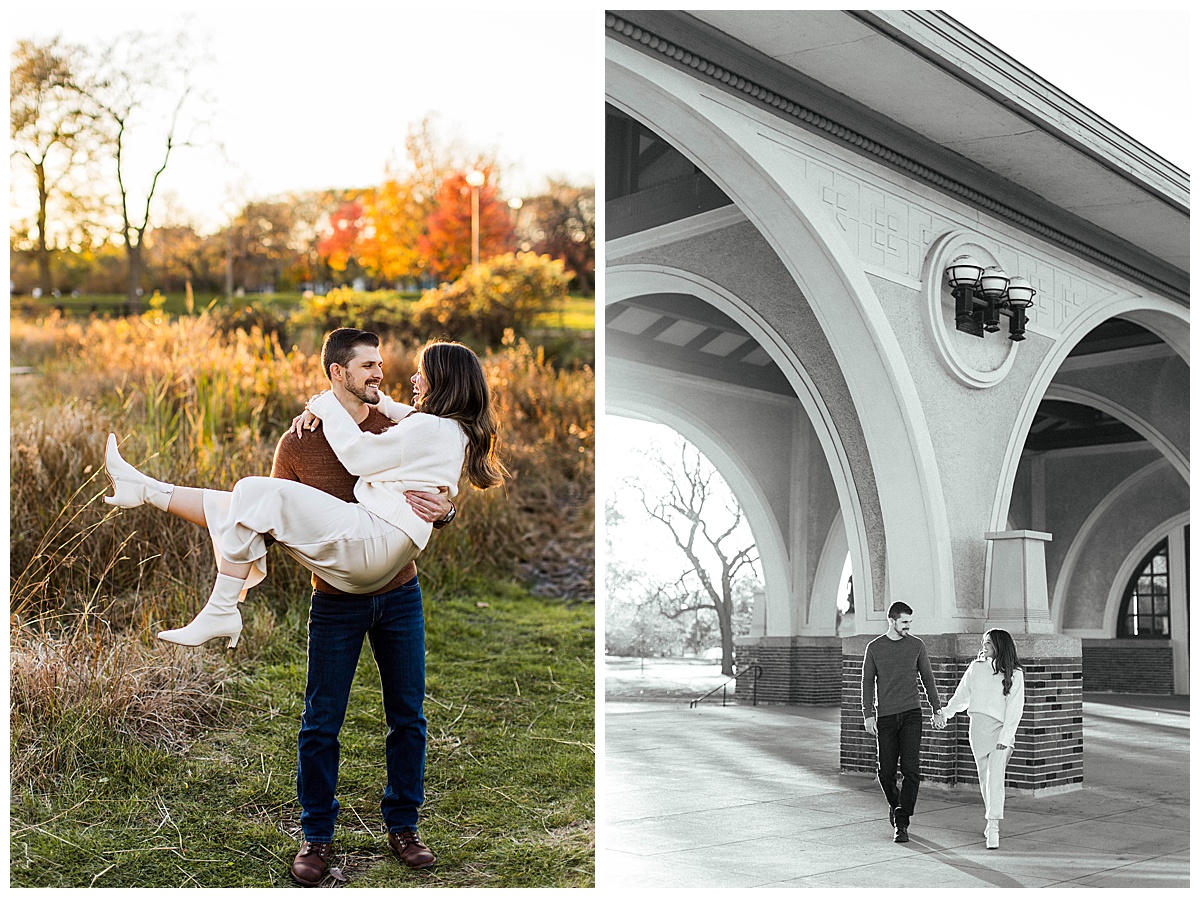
{"points": [[430, 507], [871, 726], [939, 719]]}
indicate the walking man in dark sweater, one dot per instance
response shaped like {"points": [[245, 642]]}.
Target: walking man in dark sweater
{"points": [[892, 710]]}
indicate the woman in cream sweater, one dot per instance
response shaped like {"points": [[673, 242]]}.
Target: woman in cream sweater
{"points": [[357, 547], [992, 691]]}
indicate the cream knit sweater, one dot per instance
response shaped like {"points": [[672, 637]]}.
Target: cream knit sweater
{"points": [[982, 692], [421, 452]]}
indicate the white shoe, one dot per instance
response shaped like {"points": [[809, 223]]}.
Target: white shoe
{"points": [[218, 618], [992, 834], [131, 487]]}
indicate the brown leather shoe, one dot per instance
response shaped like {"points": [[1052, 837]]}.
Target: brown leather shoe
{"points": [[411, 849], [311, 864]]}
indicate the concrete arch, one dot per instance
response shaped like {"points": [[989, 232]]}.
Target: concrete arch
{"points": [[628, 281], [1116, 593], [1166, 319], [1085, 397], [758, 174], [1084, 534], [772, 547]]}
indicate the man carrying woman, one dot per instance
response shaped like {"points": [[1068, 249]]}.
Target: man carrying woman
{"points": [[404, 468]]}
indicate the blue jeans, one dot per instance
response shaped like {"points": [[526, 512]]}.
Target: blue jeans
{"points": [[900, 740], [395, 624]]}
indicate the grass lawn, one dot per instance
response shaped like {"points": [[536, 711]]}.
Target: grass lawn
{"points": [[509, 777]]}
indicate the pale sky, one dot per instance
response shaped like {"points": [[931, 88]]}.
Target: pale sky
{"points": [[314, 96], [1129, 66]]}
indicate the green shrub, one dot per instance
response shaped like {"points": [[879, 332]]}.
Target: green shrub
{"points": [[379, 311], [249, 316], [505, 293]]}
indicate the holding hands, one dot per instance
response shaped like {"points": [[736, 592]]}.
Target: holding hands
{"points": [[939, 719]]}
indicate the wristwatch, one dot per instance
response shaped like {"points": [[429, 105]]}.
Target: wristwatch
{"points": [[448, 518]]}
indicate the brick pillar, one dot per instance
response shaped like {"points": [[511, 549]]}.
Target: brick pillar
{"points": [[1048, 756], [797, 670]]}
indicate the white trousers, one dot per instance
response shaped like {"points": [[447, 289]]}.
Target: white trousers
{"points": [[342, 542], [989, 762]]}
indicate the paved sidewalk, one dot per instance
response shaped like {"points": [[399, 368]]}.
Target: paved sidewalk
{"points": [[752, 797]]}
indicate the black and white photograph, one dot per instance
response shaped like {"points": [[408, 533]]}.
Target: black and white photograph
{"points": [[894, 449]]}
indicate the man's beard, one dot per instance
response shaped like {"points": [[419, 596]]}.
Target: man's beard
{"points": [[360, 392]]}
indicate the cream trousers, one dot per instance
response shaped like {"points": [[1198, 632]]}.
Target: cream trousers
{"points": [[342, 542], [990, 762]]}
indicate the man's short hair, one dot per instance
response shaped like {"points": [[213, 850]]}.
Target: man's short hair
{"points": [[897, 609], [340, 345]]}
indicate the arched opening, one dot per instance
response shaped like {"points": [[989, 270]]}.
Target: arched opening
{"points": [[682, 562], [1104, 467]]}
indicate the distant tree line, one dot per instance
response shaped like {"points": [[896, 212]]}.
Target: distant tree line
{"points": [[103, 224]]}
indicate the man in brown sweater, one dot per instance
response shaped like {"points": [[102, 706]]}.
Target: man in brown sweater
{"points": [[392, 619]]}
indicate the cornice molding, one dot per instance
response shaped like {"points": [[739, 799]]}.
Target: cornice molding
{"points": [[805, 116], [954, 48]]}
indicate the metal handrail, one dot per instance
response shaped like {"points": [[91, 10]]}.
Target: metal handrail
{"points": [[724, 687]]}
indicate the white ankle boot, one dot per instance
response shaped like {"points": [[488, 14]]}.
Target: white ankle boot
{"points": [[992, 834], [220, 617], [130, 486]]}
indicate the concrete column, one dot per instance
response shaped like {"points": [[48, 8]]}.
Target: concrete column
{"points": [[1017, 599], [1180, 604]]}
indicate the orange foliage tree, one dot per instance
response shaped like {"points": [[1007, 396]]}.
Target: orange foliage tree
{"points": [[393, 219], [339, 243], [446, 243]]}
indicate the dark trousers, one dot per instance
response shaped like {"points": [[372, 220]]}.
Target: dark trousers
{"points": [[395, 625], [900, 741]]}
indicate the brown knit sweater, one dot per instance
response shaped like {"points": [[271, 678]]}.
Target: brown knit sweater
{"points": [[311, 460]]}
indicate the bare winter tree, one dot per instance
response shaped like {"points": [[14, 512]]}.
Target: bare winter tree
{"points": [[48, 125], [704, 522], [144, 89]]}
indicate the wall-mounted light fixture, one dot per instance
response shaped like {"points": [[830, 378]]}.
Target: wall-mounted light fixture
{"points": [[982, 295]]}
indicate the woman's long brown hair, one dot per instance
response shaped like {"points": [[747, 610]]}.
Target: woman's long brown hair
{"points": [[1005, 661], [458, 390]]}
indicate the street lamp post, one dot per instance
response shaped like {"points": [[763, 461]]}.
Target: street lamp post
{"points": [[475, 178], [515, 205]]}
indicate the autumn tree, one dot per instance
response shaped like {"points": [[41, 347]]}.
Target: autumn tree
{"points": [[704, 521], [393, 219], [48, 126], [179, 255], [338, 245], [561, 223], [446, 243], [144, 90], [264, 242]]}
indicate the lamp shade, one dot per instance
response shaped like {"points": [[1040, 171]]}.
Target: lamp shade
{"points": [[1020, 293], [475, 178], [963, 271], [993, 282]]}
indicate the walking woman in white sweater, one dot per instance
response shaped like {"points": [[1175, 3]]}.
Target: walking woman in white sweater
{"points": [[357, 547], [992, 691]]}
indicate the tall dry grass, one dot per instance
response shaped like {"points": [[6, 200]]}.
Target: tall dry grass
{"points": [[196, 407], [78, 692]]}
